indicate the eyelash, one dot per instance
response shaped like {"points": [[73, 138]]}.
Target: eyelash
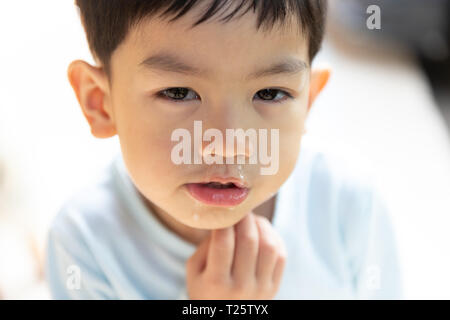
{"points": [[162, 94]]}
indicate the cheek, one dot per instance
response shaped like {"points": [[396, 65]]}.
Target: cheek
{"points": [[146, 144], [291, 133], [146, 149], [291, 126], [287, 147], [144, 138]]}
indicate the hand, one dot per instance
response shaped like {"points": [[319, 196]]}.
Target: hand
{"points": [[244, 261]]}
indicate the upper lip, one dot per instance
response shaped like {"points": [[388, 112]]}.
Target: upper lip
{"points": [[238, 182]]}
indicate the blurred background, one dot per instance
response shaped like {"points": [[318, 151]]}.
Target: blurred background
{"points": [[388, 101]]}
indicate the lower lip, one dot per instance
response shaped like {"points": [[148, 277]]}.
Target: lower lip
{"points": [[227, 197]]}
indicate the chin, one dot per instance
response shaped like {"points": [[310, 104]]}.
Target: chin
{"points": [[210, 218]]}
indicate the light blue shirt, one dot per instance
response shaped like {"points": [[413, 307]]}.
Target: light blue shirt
{"points": [[105, 244]]}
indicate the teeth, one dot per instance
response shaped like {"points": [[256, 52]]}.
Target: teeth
{"points": [[220, 185]]}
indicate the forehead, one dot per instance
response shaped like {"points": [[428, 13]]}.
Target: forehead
{"points": [[215, 45]]}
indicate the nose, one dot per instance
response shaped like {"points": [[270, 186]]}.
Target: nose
{"points": [[236, 145], [224, 138]]}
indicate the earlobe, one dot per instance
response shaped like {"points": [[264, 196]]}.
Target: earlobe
{"points": [[319, 79], [90, 87]]}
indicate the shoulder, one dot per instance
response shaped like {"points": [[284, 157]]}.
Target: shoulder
{"points": [[77, 238], [91, 211], [349, 220], [337, 168], [341, 188]]}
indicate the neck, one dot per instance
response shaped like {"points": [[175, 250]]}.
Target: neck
{"points": [[194, 235]]}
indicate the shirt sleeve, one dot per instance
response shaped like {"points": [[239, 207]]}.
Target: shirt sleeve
{"points": [[373, 252], [71, 270]]}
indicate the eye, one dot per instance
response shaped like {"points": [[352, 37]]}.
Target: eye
{"points": [[270, 94], [178, 94]]}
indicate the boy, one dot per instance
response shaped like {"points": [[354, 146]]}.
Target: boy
{"points": [[181, 214]]}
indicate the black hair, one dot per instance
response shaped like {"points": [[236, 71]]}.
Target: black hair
{"points": [[107, 22]]}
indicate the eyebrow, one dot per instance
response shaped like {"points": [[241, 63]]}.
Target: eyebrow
{"points": [[171, 63]]}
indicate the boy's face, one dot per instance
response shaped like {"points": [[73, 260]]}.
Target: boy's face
{"points": [[224, 95]]}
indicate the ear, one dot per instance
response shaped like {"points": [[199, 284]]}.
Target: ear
{"points": [[92, 91], [318, 80]]}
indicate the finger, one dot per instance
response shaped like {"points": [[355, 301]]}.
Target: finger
{"points": [[220, 252], [197, 262], [246, 249], [281, 262], [269, 247]]}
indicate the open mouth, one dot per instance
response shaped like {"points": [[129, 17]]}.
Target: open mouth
{"points": [[217, 193], [219, 185]]}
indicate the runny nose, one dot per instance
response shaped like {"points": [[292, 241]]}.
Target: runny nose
{"points": [[233, 147]]}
